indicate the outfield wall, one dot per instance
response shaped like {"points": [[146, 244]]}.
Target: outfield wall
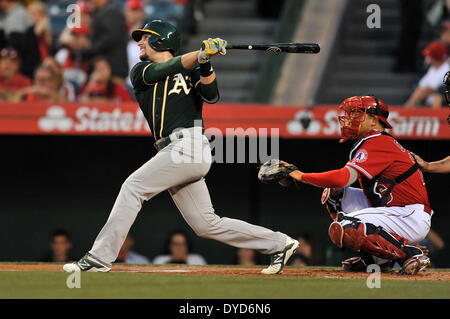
{"points": [[52, 181]]}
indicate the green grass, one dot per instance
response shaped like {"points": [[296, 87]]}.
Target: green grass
{"points": [[47, 284]]}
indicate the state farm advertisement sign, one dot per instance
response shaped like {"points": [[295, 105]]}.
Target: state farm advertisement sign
{"points": [[415, 123], [92, 119], [230, 119]]}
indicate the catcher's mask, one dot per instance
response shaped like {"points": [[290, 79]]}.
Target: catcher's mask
{"points": [[163, 36], [354, 112]]}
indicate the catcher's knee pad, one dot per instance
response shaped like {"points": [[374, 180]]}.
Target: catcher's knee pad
{"points": [[367, 238]]}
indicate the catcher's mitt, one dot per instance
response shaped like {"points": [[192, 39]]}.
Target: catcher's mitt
{"points": [[274, 171]]}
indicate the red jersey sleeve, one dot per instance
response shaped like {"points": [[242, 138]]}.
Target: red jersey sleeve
{"points": [[372, 158]]}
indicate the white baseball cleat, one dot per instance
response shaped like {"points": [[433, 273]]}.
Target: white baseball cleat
{"points": [[87, 263], [71, 267], [278, 260]]}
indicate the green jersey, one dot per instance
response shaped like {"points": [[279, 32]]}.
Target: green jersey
{"points": [[170, 96]]}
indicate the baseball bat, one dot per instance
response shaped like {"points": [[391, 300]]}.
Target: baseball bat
{"points": [[309, 48]]}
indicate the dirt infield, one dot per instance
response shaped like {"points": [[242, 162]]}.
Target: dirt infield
{"points": [[429, 275]]}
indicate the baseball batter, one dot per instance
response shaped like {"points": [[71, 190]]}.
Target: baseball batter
{"points": [[391, 211], [170, 90]]}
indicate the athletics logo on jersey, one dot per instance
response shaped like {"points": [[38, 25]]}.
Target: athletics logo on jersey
{"points": [[361, 156], [180, 83]]}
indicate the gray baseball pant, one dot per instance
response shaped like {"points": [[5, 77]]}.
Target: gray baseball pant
{"points": [[180, 168]]}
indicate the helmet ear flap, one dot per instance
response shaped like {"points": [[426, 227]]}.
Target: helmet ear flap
{"points": [[381, 112]]}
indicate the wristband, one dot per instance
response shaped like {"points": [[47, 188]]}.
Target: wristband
{"points": [[206, 69]]}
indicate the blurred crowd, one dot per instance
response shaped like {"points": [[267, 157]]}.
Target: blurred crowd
{"points": [[62, 50], [416, 16], [68, 50]]}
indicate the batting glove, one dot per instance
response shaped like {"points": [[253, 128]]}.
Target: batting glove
{"points": [[203, 57], [212, 47]]}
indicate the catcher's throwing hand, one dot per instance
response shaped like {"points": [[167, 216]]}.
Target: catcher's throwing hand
{"points": [[274, 171]]}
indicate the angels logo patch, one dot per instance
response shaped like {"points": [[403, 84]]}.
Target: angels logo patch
{"points": [[361, 156]]}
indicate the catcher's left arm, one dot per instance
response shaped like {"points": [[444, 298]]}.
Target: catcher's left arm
{"points": [[277, 171]]}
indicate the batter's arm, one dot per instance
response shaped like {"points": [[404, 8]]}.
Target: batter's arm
{"points": [[208, 88], [442, 166], [419, 95], [155, 72], [204, 79]]}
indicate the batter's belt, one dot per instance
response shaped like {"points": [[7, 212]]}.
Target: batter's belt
{"points": [[184, 133], [163, 142]]}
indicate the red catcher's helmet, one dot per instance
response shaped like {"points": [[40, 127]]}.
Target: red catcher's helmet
{"points": [[355, 109]]}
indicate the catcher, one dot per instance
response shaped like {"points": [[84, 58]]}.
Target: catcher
{"points": [[390, 212]]}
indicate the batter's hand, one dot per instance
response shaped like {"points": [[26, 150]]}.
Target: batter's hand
{"points": [[203, 57], [423, 164], [214, 46]]}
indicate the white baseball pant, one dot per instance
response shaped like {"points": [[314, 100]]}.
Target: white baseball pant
{"points": [[409, 222], [180, 168]]}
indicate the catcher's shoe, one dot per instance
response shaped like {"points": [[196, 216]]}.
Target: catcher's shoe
{"points": [[331, 198], [359, 264], [354, 264], [278, 260], [415, 262], [87, 263]]}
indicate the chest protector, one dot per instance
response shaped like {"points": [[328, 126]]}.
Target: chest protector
{"points": [[378, 189]]}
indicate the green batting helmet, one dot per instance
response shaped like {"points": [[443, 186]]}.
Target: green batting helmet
{"points": [[163, 36]]}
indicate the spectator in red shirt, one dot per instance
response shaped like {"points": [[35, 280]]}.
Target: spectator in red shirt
{"points": [[66, 88], [11, 80], [45, 87], [100, 86]]}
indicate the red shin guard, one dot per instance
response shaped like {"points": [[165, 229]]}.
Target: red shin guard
{"points": [[367, 238]]}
